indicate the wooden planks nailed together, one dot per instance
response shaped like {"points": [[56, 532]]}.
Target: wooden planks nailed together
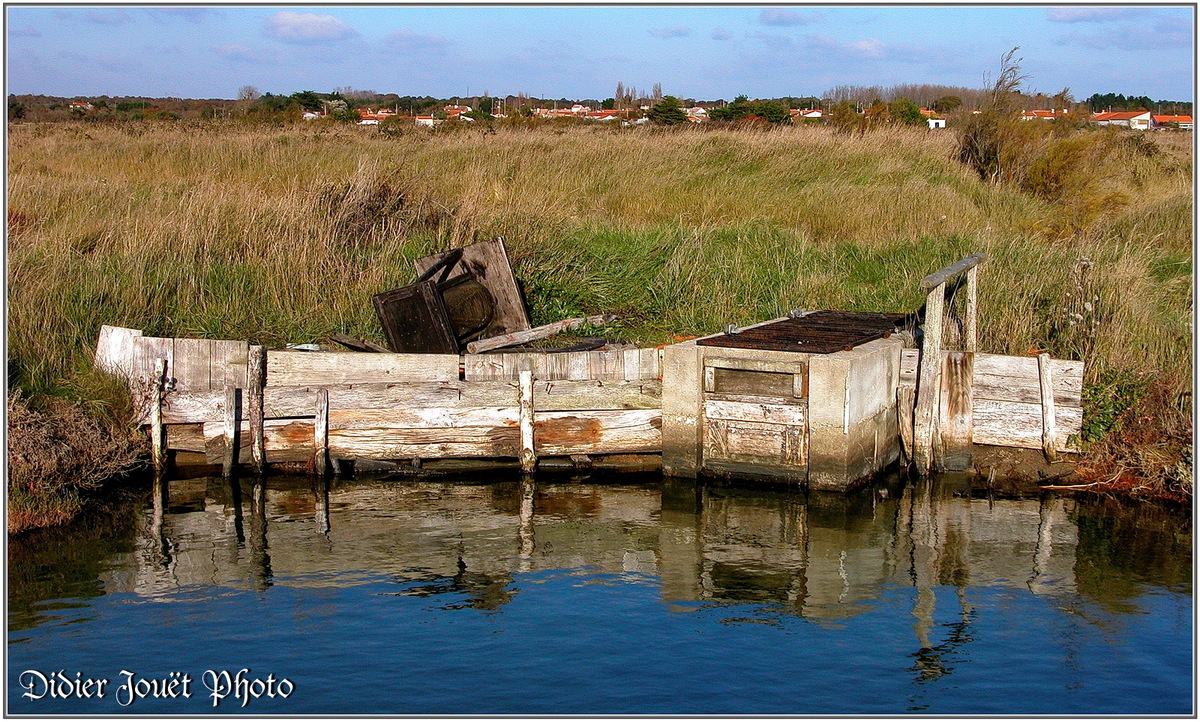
{"points": [[320, 406]]}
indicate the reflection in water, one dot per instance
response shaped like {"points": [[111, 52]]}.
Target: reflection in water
{"points": [[921, 549]]}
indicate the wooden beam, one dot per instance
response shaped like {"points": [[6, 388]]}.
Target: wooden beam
{"points": [[519, 337], [938, 278], [158, 438], [527, 457], [1046, 381], [955, 418], [971, 317], [257, 373], [321, 433], [232, 424], [357, 344], [928, 384]]}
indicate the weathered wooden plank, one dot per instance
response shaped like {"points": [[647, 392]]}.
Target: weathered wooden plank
{"points": [[533, 334], [422, 417], [229, 363], [1010, 378], [971, 316], [561, 433], [321, 433], [256, 377], [430, 443], [754, 399], [753, 443], [606, 365], [146, 352], [758, 412], [632, 364], [293, 401], [749, 364], [485, 367], [1046, 385], [596, 395], [752, 383], [955, 417], [937, 278], [528, 455], [232, 426], [114, 350], [1005, 423], [909, 361], [185, 437], [193, 365], [906, 399], [158, 436], [928, 384], [313, 368], [284, 440], [579, 365]]}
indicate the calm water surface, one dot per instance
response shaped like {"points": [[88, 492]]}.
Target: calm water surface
{"points": [[610, 596]]}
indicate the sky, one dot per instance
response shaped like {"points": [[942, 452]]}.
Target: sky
{"points": [[578, 51]]}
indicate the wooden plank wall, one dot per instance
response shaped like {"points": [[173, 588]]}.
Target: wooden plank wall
{"points": [[615, 365], [1006, 404]]}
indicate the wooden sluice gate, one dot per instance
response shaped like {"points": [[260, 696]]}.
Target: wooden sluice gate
{"points": [[825, 400]]}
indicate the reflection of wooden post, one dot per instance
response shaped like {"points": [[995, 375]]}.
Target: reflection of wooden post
{"points": [[322, 505], [528, 456], [321, 432], [158, 436], [260, 560], [232, 442], [928, 380], [525, 530], [1049, 431], [257, 360]]}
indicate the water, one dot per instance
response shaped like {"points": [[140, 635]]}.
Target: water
{"points": [[608, 596]]}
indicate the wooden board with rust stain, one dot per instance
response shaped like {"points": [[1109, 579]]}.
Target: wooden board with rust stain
{"points": [[560, 433]]}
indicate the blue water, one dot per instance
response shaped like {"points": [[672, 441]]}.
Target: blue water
{"points": [[616, 598]]}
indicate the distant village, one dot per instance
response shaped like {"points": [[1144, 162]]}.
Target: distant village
{"points": [[1135, 119]]}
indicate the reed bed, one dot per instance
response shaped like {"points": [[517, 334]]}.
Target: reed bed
{"points": [[282, 234]]}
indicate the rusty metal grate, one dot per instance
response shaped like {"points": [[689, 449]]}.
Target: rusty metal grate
{"points": [[818, 332]]}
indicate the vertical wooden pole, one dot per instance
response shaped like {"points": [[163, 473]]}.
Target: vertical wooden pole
{"points": [[1046, 382], [321, 432], [927, 380], [528, 457], [232, 424], [972, 313], [158, 436], [257, 373], [955, 420]]}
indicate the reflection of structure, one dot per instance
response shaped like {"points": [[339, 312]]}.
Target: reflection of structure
{"points": [[818, 556]]}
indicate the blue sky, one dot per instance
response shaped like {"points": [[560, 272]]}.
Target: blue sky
{"points": [[702, 52]]}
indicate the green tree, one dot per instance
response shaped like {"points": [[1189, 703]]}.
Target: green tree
{"points": [[844, 117], [946, 103], [307, 100], [906, 112], [608, 104], [770, 110], [16, 109], [668, 112]]}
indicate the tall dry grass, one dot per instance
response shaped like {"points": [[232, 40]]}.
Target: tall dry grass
{"points": [[283, 234]]}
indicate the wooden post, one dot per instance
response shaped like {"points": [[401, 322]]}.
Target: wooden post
{"points": [[970, 323], [528, 456], [232, 424], [1046, 381], [954, 418], [905, 398], [927, 380], [257, 373], [321, 433], [158, 435]]}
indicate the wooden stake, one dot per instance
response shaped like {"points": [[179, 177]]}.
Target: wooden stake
{"points": [[257, 360], [232, 424], [321, 432], [970, 323], [1046, 381], [158, 435], [927, 381], [954, 417], [528, 457]]}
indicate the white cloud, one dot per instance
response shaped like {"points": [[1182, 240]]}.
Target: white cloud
{"points": [[785, 17], [407, 41], [307, 28], [1091, 14], [775, 42], [190, 14], [675, 31], [720, 33], [867, 48], [1165, 33]]}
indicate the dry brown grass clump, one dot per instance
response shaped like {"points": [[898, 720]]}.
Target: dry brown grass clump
{"points": [[55, 457]]}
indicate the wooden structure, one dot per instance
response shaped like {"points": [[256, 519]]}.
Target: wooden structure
{"points": [[219, 399], [766, 401], [963, 397]]}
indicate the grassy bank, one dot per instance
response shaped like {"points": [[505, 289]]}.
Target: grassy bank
{"points": [[283, 234]]}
